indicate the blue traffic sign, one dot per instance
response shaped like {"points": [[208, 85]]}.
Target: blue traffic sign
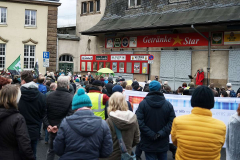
{"points": [[46, 55]]}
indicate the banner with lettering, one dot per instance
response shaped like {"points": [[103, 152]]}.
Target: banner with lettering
{"points": [[163, 40], [223, 109]]}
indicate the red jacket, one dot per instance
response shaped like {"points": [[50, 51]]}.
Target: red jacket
{"points": [[200, 78]]}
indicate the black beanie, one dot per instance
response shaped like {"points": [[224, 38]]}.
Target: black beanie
{"points": [[203, 97], [135, 85]]}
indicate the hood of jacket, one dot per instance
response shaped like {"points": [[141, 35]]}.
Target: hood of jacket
{"points": [[155, 99], [29, 91], [84, 122], [4, 113], [123, 120], [237, 117]]}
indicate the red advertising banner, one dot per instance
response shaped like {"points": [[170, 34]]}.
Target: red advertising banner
{"points": [[163, 40]]}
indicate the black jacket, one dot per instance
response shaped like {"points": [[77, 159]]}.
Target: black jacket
{"points": [[59, 105], [32, 106], [15, 143], [83, 136], [109, 87], [155, 116]]}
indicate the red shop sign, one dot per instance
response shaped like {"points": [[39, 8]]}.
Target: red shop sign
{"points": [[165, 40]]}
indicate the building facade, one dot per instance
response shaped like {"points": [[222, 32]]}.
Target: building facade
{"points": [[28, 28], [182, 35]]}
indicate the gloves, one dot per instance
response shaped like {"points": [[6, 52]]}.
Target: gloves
{"points": [[156, 136]]}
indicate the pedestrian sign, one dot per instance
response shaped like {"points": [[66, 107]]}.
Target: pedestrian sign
{"points": [[46, 56]]}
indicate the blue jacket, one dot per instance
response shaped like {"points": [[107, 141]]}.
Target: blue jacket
{"points": [[83, 136], [42, 88], [155, 116]]}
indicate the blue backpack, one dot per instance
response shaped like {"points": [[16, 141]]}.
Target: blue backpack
{"points": [[233, 94]]}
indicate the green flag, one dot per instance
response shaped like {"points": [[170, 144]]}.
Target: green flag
{"points": [[15, 66]]}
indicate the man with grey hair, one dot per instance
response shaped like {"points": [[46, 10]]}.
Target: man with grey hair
{"points": [[53, 87], [59, 105]]}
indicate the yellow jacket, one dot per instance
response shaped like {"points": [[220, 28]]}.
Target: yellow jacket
{"points": [[198, 136]]}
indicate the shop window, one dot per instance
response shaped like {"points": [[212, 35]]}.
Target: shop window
{"points": [[134, 3], [136, 67], [30, 18], [84, 7], [2, 55], [107, 65], [89, 66], [121, 67], [91, 6], [100, 65], [98, 5], [29, 56], [3, 15], [114, 66], [83, 66], [94, 66], [129, 67], [144, 68]]}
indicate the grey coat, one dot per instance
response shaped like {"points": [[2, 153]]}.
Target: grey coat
{"points": [[233, 138]]}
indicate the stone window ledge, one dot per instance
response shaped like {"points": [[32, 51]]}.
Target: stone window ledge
{"points": [[3, 25], [92, 13], [30, 27]]}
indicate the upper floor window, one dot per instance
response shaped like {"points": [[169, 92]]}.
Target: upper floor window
{"points": [[29, 56], [134, 3], [98, 5], [3, 15], [84, 7], [30, 17], [2, 55], [91, 6]]}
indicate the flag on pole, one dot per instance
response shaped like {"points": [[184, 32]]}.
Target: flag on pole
{"points": [[15, 67], [36, 69]]}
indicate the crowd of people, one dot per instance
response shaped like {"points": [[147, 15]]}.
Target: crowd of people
{"points": [[86, 117]]}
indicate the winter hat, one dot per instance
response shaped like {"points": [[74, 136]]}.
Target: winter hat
{"points": [[77, 80], [135, 85], [203, 97], [117, 88], [154, 86], [81, 100], [97, 83]]}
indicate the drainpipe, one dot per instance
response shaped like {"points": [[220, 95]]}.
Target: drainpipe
{"points": [[57, 56], [209, 51]]}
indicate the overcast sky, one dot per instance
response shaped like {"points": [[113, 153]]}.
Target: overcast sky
{"points": [[67, 13]]}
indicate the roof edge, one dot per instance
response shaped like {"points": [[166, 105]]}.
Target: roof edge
{"points": [[39, 2]]}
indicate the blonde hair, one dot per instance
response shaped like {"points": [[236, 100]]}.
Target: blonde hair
{"points": [[117, 101], [9, 96]]}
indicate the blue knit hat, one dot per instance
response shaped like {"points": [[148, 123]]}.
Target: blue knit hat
{"points": [[117, 88], [154, 86], [77, 80], [81, 100]]}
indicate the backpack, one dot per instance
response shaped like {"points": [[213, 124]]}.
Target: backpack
{"points": [[124, 153], [232, 94]]}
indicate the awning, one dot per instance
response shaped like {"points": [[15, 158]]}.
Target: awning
{"points": [[174, 19]]}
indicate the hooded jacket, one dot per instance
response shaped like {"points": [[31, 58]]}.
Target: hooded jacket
{"points": [[14, 138], [155, 116], [232, 138], [32, 106], [126, 122], [83, 136]]}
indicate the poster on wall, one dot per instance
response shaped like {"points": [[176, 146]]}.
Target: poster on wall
{"points": [[117, 42], [231, 38], [121, 67], [144, 68], [107, 65], [118, 58], [217, 38], [114, 66], [87, 57], [139, 58], [125, 42], [133, 42], [109, 43], [136, 67]]}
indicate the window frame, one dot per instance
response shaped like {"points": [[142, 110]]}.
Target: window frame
{"points": [[30, 21], [135, 4], [1, 14], [83, 7], [96, 2], [29, 57], [89, 6], [3, 56], [64, 60]]}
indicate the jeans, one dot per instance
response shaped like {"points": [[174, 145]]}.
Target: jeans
{"points": [[46, 135], [50, 152], [156, 155], [34, 147]]}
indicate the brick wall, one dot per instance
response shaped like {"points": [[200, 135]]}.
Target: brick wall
{"points": [[52, 37]]}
